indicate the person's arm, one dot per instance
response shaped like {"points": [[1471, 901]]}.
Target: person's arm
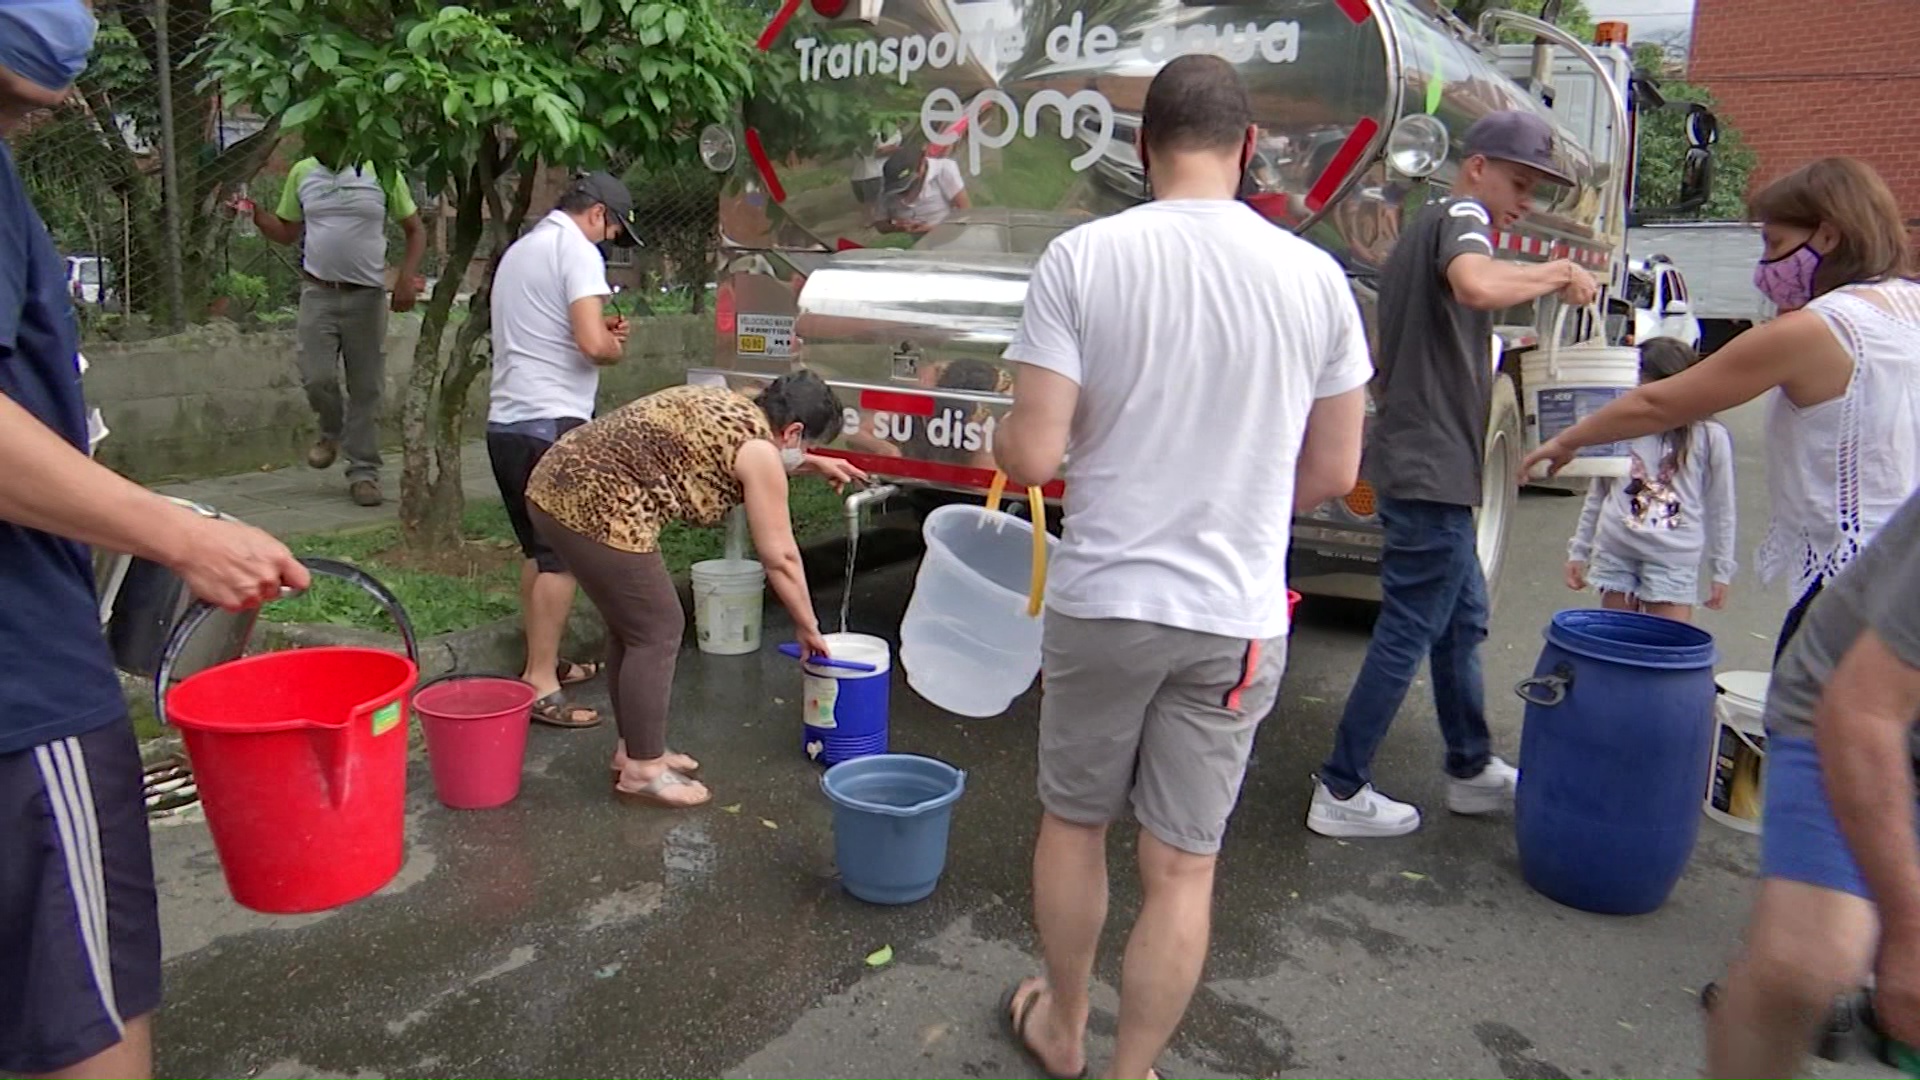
{"points": [[583, 274], [1580, 548], [1030, 442], [1739, 371], [1485, 283], [283, 224], [1329, 462], [401, 208], [763, 480], [1722, 513], [956, 189], [48, 485]]}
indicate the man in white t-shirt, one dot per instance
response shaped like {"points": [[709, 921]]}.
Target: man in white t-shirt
{"points": [[1201, 374], [551, 337], [921, 191]]}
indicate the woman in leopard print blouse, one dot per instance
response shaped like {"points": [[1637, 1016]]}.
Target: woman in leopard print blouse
{"points": [[602, 494]]}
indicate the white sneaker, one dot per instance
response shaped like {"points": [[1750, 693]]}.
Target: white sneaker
{"points": [[1490, 792], [1367, 813]]}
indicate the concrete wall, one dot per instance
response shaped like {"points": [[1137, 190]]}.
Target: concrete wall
{"points": [[1800, 86], [216, 400]]}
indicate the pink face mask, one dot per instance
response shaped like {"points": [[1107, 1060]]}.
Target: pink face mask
{"points": [[1788, 280]]}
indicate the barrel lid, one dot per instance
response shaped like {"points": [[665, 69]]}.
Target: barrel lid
{"points": [[1746, 688]]}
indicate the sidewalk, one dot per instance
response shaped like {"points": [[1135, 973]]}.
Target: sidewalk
{"points": [[297, 500]]}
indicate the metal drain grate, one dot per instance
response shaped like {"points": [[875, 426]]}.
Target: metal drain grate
{"points": [[170, 787]]}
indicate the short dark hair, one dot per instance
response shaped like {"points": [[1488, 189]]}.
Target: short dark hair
{"points": [[1197, 102], [804, 398], [576, 199]]}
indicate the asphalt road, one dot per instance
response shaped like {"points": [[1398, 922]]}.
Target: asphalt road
{"points": [[565, 935]]}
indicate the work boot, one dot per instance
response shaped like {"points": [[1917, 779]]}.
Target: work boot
{"points": [[322, 453], [366, 492]]}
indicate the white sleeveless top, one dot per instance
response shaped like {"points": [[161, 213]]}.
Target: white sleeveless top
{"points": [[1836, 471]]}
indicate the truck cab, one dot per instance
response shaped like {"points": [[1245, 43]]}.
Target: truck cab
{"points": [[903, 293]]}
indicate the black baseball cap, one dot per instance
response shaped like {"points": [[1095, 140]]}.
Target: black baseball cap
{"points": [[1523, 138], [611, 193], [902, 167]]}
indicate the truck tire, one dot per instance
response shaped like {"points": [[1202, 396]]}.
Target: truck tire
{"points": [[1499, 490]]}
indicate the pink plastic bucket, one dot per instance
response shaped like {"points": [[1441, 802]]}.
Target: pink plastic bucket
{"points": [[476, 737]]}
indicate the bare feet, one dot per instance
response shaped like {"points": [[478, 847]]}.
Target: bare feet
{"points": [[1034, 1028], [678, 762], [652, 783]]}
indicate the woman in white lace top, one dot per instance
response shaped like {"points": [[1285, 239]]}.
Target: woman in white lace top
{"points": [[1841, 363]]}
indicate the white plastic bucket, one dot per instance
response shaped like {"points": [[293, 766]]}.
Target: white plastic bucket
{"points": [[967, 642], [1734, 790], [1564, 384], [727, 597]]}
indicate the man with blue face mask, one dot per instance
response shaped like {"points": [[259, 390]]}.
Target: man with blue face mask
{"points": [[79, 919]]}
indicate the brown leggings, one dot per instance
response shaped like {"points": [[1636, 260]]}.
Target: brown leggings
{"points": [[636, 598]]}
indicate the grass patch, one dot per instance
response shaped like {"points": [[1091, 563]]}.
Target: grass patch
{"points": [[479, 582]]}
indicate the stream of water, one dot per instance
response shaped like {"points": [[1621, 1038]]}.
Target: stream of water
{"points": [[846, 583]]}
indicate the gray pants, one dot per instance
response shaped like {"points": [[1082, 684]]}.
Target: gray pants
{"points": [[346, 328], [1153, 716]]}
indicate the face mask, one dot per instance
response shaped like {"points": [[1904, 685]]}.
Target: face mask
{"points": [[792, 457], [46, 42], [1788, 280]]}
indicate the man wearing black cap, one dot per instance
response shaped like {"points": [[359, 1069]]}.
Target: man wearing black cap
{"points": [[919, 192], [1434, 390], [551, 336]]}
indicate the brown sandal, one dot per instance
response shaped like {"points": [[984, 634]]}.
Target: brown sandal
{"points": [[555, 710], [570, 672], [650, 793]]}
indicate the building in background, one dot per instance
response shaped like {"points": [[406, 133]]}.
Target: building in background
{"points": [[1806, 81]]}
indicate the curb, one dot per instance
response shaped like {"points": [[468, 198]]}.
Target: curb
{"points": [[497, 647]]}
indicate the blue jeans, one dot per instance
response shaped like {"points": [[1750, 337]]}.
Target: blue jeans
{"points": [[1434, 605]]}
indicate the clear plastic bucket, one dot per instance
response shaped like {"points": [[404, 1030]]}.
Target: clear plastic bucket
{"points": [[968, 642]]}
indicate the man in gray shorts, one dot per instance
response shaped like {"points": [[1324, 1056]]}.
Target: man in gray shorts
{"points": [[1207, 372]]}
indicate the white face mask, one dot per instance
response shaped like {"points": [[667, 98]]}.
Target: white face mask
{"points": [[792, 457]]}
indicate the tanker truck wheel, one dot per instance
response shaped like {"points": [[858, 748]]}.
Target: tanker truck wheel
{"points": [[1499, 492]]}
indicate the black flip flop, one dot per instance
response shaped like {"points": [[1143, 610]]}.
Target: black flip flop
{"points": [[1017, 1030]]}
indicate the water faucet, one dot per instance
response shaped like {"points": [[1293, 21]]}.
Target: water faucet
{"points": [[859, 500]]}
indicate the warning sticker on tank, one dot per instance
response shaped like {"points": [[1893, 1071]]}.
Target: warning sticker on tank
{"points": [[818, 699], [385, 718], [764, 335]]}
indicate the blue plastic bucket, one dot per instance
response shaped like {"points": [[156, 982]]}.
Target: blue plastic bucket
{"points": [[843, 710], [1613, 758], [891, 813]]}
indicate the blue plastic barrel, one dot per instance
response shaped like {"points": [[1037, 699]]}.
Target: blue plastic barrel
{"points": [[891, 813], [1613, 758], [843, 710]]}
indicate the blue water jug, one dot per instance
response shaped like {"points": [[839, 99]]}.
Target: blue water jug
{"points": [[1613, 758]]}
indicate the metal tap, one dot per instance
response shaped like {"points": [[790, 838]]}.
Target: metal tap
{"points": [[859, 500]]}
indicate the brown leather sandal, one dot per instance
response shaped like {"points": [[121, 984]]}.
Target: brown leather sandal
{"points": [[555, 710]]}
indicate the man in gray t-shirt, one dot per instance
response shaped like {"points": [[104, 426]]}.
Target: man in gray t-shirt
{"points": [[1438, 293], [1839, 853]]}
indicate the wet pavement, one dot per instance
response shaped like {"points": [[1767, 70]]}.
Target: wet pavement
{"points": [[566, 935]]}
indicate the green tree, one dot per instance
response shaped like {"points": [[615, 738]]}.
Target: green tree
{"points": [[474, 99], [94, 166], [1663, 145]]}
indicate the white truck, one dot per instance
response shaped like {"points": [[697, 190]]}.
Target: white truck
{"points": [[1028, 106], [1717, 258]]}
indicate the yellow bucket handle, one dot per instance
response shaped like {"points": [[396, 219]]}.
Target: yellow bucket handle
{"points": [[1037, 506]]}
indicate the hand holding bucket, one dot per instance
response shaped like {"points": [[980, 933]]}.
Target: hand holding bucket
{"points": [[301, 760]]}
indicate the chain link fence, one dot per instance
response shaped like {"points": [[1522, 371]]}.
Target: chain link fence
{"points": [[135, 175]]}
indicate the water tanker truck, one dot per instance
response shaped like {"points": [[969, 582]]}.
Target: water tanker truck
{"points": [[1015, 120]]}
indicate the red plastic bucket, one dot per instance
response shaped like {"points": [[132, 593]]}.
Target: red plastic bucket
{"points": [[476, 737], [301, 760]]}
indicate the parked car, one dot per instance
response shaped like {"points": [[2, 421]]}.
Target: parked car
{"points": [[88, 281], [1657, 292]]}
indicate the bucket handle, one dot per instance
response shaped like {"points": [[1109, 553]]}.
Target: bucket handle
{"points": [[1547, 690], [792, 648], [959, 781], [1037, 507], [1559, 330], [190, 623]]}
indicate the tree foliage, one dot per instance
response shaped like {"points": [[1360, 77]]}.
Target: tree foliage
{"points": [[1663, 146], [473, 99]]}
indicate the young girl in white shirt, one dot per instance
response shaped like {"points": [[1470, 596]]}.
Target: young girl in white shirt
{"points": [[1642, 538]]}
